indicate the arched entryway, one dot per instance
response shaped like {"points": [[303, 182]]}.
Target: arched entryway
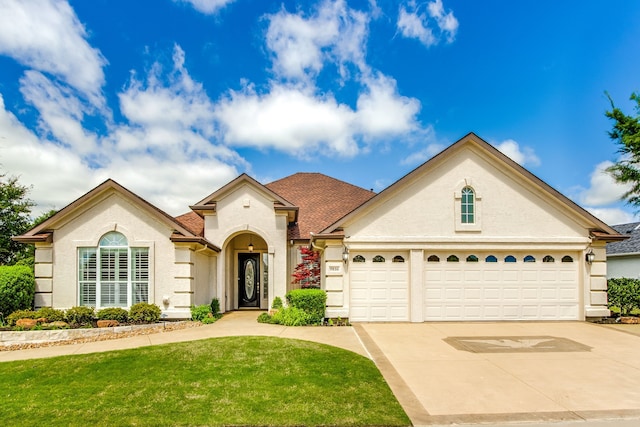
{"points": [[248, 286]]}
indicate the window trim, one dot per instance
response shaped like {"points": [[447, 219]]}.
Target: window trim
{"points": [[459, 225], [93, 276]]}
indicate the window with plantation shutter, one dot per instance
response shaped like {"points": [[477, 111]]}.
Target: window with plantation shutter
{"points": [[113, 274]]}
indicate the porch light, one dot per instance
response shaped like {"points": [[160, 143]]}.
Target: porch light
{"points": [[250, 247], [590, 257], [345, 255]]}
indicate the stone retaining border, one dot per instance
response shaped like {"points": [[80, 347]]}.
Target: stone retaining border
{"points": [[18, 340]]}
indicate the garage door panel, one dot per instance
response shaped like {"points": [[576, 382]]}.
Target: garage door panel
{"points": [[501, 290], [379, 291]]}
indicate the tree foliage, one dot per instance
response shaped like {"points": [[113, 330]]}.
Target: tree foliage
{"points": [[307, 273], [626, 133], [624, 293], [15, 219]]}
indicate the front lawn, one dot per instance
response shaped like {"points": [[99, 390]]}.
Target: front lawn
{"points": [[221, 381]]}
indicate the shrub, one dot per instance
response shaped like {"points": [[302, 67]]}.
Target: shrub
{"points": [[51, 314], [80, 316], [311, 301], [624, 293], [215, 307], [200, 312], [17, 288], [20, 314], [292, 316], [143, 312], [277, 303], [265, 318], [113, 313]]}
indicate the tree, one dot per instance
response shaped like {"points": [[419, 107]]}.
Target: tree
{"points": [[15, 219], [307, 273], [626, 133]]}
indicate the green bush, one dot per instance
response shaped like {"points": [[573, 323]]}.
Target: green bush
{"points": [[17, 288], [143, 312], [20, 314], [113, 313], [265, 318], [80, 316], [277, 303], [624, 293], [215, 306], [311, 301], [200, 312], [51, 314], [292, 316]]}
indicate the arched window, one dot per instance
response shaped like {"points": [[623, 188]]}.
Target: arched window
{"points": [[567, 258], [529, 258], [452, 258], [509, 258], [358, 258], [467, 206], [113, 274], [398, 258], [548, 258], [378, 258], [491, 258], [472, 258], [433, 258]]}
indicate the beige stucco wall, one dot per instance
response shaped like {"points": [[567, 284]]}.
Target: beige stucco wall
{"points": [[420, 215], [171, 270], [244, 211], [423, 210]]}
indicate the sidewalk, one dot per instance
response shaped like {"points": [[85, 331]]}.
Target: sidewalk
{"points": [[236, 323]]}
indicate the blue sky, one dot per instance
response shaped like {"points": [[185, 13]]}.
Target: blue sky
{"points": [[175, 98]]}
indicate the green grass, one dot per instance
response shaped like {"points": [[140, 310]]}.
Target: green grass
{"points": [[221, 381]]}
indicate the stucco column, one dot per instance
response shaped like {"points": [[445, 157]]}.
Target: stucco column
{"points": [[415, 285], [596, 304]]}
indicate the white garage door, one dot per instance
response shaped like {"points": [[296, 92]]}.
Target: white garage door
{"points": [[499, 286], [379, 287]]}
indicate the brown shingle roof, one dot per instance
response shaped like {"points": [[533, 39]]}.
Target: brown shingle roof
{"points": [[192, 222], [321, 200]]}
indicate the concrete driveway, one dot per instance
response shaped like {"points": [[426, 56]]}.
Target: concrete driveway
{"points": [[446, 373]]}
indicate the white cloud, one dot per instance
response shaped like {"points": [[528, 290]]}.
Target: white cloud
{"points": [[301, 46], [421, 25], [47, 36], [523, 156], [208, 7], [612, 216], [287, 119], [603, 189]]}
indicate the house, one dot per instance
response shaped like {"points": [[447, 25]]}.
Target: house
{"points": [[468, 235], [623, 257]]}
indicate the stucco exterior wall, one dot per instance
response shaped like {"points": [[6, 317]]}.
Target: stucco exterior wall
{"points": [[425, 209], [111, 213], [246, 210]]}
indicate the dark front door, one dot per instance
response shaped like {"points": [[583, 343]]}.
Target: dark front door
{"points": [[248, 280]]}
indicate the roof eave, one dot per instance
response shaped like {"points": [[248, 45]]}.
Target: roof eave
{"points": [[177, 238], [36, 238]]}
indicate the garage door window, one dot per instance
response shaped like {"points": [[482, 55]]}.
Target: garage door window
{"points": [[378, 258], [509, 258], [358, 258], [433, 258], [548, 258], [452, 258], [567, 258], [398, 258], [529, 258], [472, 258], [491, 258]]}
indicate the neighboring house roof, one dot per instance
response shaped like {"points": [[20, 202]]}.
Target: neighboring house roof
{"points": [[183, 231], [321, 200], [629, 246], [599, 230]]}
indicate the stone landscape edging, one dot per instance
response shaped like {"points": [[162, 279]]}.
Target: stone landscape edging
{"points": [[13, 338]]}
